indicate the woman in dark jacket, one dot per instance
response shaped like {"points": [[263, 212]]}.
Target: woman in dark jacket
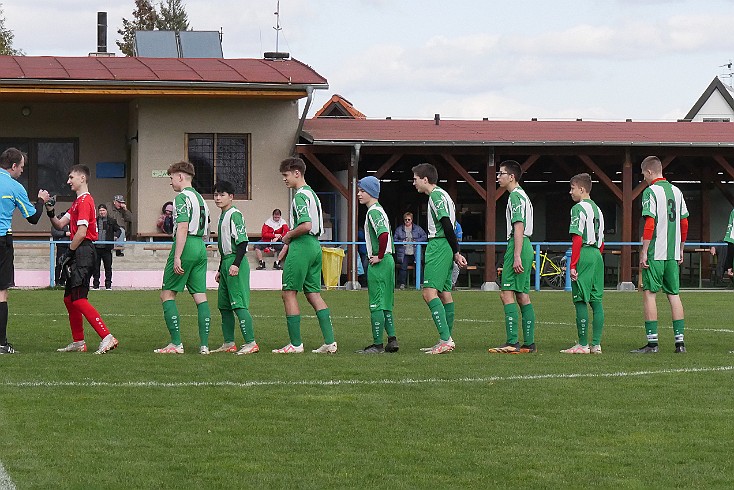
{"points": [[405, 254]]}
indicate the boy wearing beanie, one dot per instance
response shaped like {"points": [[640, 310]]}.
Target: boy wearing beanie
{"points": [[381, 268]]}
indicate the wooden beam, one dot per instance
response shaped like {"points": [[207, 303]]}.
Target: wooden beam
{"points": [[725, 165], [388, 164], [564, 166], [725, 191], [490, 220], [603, 177], [462, 171], [313, 159], [625, 263]]}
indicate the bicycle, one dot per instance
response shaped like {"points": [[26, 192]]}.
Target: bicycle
{"points": [[552, 270]]}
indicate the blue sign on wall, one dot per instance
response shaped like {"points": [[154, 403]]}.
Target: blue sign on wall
{"points": [[110, 170]]}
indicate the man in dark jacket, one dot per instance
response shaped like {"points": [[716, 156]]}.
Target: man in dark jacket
{"points": [[108, 230]]}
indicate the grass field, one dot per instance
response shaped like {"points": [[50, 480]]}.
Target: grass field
{"points": [[131, 419]]}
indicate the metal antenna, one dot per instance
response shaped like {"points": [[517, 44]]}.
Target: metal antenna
{"points": [[728, 73], [278, 28]]}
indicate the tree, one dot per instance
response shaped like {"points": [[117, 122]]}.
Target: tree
{"points": [[6, 38], [145, 18], [173, 16]]}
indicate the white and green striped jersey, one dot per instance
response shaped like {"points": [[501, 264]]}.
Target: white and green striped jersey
{"points": [[232, 231], [440, 205], [587, 221], [729, 237], [519, 210], [664, 202], [375, 225], [189, 207], [306, 208]]}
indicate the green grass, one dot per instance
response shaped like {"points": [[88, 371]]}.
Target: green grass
{"points": [[408, 420]]}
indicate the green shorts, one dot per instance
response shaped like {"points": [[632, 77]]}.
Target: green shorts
{"points": [[193, 262], [439, 264], [590, 283], [381, 284], [302, 267], [663, 274], [234, 291], [512, 281]]}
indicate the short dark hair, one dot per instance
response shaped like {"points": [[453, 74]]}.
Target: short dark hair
{"points": [[582, 180], [426, 170], [103, 205], [224, 186], [293, 164], [277, 211], [182, 166], [10, 157], [653, 164], [80, 169], [513, 168]]}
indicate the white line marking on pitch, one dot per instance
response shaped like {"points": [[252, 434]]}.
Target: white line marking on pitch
{"points": [[6, 483], [352, 382]]}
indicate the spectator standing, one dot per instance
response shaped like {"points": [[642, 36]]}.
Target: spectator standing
{"points": [[123, 217], [107, 230], [273, 231], [408, 231], [62, 236], [14, 196], [165, 220]]}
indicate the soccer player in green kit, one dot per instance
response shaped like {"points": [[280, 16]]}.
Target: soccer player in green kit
{"points": [[381, 268], [587, 265], [233, 279], [518, 263], [441, 252], [186, 265], [665, 233], [302, 268]]}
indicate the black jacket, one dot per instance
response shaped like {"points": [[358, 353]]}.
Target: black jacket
{"points": [[112, 232]]}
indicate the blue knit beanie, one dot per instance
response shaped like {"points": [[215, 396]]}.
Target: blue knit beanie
{"points": [[371, 185]]}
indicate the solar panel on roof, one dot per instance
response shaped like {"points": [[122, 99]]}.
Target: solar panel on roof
{"points": [[200, 44], [156, 44]]}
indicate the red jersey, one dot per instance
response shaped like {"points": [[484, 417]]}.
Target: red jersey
{"points": [[83, 212]]}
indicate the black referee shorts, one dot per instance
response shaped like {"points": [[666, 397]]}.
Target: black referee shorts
{"points": [[7, 269]]}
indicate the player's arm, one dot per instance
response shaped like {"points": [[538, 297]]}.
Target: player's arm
{"points": [[182, 231], [58, 223], [729, 256], [576, 244], [301, 229], [448, 231], [646, 239], [518, 236], [683, 236], [78, 238]]}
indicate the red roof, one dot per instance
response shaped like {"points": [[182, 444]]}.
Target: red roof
{"points": [[130, 69], [525, 133]]}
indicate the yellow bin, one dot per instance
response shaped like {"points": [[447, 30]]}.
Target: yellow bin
{"points": [[331, 265]]}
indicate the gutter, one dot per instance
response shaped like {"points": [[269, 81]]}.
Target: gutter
{"points": [[14, 82], [309, 99], [516, 144]]}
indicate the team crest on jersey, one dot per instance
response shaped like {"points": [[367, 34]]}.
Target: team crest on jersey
{"points": [[516, 209], [181, 208], [240, 229], [301, 210], [649, 203], [380, 222], [441, 204], [574, 221]]}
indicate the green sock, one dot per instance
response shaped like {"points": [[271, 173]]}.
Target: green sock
{"points": [[170, 314], [327, 329], [598, 322], [449, 308], [651, 330], [248, 331], [227, 325], [511, 315], [389, 324], [378, 325], [205, 318], [294, 329], [528, 323], [582, 322], [439, 318], [678, 328]]}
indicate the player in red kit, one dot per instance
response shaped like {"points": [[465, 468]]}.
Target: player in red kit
{"points": [[82, 221]]}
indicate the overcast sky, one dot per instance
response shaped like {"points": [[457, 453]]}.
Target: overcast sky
{"points": [[551, 59]]}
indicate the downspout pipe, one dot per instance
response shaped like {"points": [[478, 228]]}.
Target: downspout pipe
{"points": [[309, 99], [353, 283]]}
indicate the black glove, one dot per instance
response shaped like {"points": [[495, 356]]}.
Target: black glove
{"points": [[67, 258]]}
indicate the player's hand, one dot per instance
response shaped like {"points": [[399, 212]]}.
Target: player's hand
{"points": [[375, 260], [287, 238], [44, 195], [574, 274], [177, 269], [643, 263], [216, 277], [729, 272], [460, 260], [517, 266], [234, 270]]}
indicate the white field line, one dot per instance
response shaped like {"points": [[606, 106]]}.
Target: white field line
{"points": [[352, 382], [6, 483]]}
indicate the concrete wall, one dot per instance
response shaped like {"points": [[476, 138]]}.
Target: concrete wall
{"points": [[101, 129], [162, 126]]}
